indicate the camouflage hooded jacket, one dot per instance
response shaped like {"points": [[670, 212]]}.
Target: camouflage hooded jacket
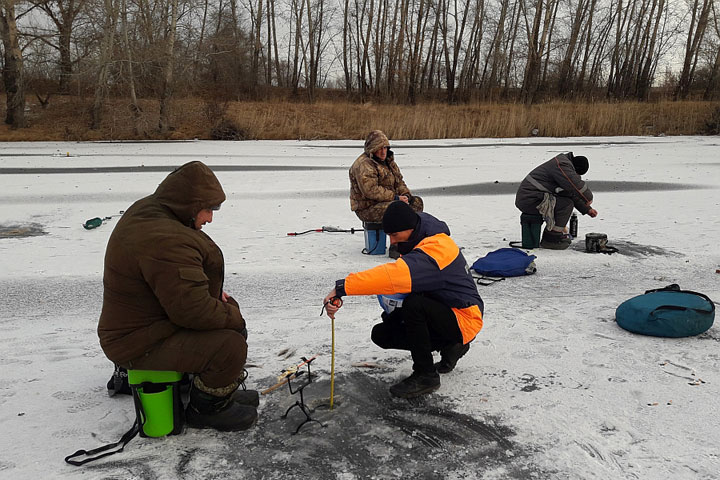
{"points": [[160, 273], [373, 181]]}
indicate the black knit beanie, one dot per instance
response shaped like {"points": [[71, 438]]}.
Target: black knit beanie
{"points": [[581, 164], [398, 217]]}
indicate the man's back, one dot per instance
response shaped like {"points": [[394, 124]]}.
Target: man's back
{"points": [[152, 259]]}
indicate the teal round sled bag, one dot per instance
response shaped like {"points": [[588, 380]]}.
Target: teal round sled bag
{"points": [[667, 312]]}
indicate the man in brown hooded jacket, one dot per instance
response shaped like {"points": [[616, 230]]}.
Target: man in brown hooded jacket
{"points": [[376, 181], [164, 307]]}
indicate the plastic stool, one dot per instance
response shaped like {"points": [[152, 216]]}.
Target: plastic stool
{"points": [[374, 239], [531, 225], [158, 405]]}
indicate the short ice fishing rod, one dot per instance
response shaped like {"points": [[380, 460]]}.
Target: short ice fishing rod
{"points": [[326, 229], [97, 221]]}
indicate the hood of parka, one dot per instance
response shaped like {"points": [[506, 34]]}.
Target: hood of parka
{"points": [[189, 189], [375, 141]]}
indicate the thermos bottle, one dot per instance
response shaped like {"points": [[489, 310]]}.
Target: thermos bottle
{"points": [[574, 225]]}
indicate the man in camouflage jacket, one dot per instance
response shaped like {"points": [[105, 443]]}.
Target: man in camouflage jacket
{"points": [[376, 181]]}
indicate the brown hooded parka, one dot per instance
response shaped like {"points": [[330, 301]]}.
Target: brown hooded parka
{"points": [[161, 274]]}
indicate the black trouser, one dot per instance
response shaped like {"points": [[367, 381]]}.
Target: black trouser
{"points": [[421, 326]]}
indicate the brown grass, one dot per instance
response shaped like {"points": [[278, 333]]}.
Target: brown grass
{"points": [[67, 118]]}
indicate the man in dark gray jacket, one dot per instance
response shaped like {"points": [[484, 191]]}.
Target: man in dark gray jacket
{"points": [[552, 190]]}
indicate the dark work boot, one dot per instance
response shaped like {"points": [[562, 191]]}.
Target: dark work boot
{"points": [[449, 357], [118, 383], [555, 240], [243, 396], [416, 384], [217, 410], [246, 397]]}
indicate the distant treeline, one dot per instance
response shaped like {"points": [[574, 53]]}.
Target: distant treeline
{"points": [[400, 51]]}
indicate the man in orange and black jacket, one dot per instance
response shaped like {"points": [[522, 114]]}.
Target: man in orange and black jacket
{"points": [[442, 311]]}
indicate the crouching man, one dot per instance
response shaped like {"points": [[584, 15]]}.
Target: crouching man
{"points": [[442, 311], [164, 307], [552, 190]]}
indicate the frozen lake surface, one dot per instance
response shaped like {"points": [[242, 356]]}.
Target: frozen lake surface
{"points": [[551, 387]]}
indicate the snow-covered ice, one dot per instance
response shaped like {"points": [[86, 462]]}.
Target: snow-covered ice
{"points": [[551, 387]]}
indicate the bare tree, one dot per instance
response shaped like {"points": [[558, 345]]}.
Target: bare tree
{"points": [[416, 41], [256, 16], [111, 9], [130, 71], [696, 32], [380, 44], [395, 45], [565, 80], [13, 71], [537, 37], [298, 14], [315, 19], [495, 54], [167, 74], [455, 48], [63, 14], [713, 86], [649, 57]]}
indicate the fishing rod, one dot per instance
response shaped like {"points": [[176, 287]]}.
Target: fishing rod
{"points": [[327, 229], [97, 221]]}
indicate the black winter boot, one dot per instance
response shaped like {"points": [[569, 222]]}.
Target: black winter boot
{"points": [[118, 383], [243, 396], [416, 384], [449, 357], [217, 410], [246, 397], [555, 240]]}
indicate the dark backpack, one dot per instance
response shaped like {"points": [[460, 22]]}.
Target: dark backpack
{"points": [[501, 263], [667, 312]]}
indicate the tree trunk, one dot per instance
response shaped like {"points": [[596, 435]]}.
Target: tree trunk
{"points": [[416, 52], [565, 76], [13, 71], [106, 49], [649, 59], [130, 76], [167, 75], [280, 78], [692, 49], [532, 66], [299, 6]]}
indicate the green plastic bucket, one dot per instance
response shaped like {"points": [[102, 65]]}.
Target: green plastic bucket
{"points": [[157, 401]]}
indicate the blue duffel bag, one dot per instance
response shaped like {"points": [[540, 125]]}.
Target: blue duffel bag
{"points": [[667, 312]]}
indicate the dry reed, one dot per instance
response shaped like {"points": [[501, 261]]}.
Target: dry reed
{"points": [[67, 118]]}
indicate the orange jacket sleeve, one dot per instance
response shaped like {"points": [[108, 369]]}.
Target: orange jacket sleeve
{"points": [[385, 279]]}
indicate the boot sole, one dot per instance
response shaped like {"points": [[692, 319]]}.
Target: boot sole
{"points": [[202, 422], [418, 393], [554, 246], [443, 370], [220, 428]]}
